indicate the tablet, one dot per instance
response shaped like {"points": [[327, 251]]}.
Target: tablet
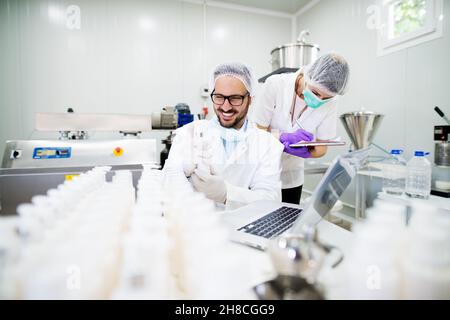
{"points": [[318, 144]]}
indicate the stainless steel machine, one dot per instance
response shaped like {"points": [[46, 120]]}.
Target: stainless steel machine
{"points": [[20, 154], [361, 127], [295, 55], [441, 171], [290, 57], [31, 167]]}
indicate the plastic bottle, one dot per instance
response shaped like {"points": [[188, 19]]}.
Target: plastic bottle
{"points": [[372, 269], [426, 262], [418, 184], [394, 179]]}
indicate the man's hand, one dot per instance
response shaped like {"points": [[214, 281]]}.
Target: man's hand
{"points": [[189, 168], [208, 182]]}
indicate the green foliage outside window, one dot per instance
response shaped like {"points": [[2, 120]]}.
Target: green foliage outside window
{"points": [[409, 15]]}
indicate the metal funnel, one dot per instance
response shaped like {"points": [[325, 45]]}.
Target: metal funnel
{"points": [[361, 127]]}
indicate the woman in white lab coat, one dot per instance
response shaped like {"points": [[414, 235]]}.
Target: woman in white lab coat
{"points": [[301, 107]]}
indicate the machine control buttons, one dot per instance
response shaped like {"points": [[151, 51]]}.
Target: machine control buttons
{"points": [[15, 154], [118, 151]]}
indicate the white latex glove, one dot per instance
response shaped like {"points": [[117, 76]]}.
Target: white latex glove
{"points": [[189, 168], [202, 154], [210, 184]]}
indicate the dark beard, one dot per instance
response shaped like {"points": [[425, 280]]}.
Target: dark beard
{"points": [[234, 124], [239, 120]]}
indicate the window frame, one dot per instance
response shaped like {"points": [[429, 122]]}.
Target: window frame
{"points": [[432, 29]]}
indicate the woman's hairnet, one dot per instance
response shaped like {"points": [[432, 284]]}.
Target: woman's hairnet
{"points": [[236, 70], [330, 72]]}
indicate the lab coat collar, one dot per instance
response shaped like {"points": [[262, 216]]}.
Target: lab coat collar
{"points": [[219, 160], [242, 148], [290, 91]]}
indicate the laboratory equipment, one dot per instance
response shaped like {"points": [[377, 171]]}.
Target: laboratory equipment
{"points": [[31, 167], [166, 119], [295, 55], [165, 152], [441, 170], [182, 108], [297, 259], [442, 147], [20, 154], [289, 58], [287, 288], [441, 181], [64, 152], [394, 174], [301, 255], [64, 123], [418, 183], [21, 185], [183, 114], [361, 127]]}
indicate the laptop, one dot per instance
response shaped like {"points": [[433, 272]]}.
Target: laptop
{"points": [[257, 223]]}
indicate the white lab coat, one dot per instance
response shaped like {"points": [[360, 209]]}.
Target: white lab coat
{"points": [[251, 173], [273, 109]]}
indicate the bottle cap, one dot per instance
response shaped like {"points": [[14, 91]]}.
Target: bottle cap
{"points": [[421, 153]]}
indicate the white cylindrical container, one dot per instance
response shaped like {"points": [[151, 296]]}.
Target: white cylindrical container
{"points": [[426, 264]]}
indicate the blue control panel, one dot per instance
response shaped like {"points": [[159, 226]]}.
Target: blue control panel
{"points": [[52, 153]]}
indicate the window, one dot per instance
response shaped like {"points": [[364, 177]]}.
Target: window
{"points": [[407, 17], [406, 23]]}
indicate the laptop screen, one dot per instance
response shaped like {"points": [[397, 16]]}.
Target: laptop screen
{"points": [[333, 184]]}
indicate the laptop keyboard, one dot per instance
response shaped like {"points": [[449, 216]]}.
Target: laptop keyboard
{"points": [[273, 224]]}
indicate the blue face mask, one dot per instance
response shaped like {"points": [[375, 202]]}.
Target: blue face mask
{"points": [[312, 101], [230, 136]]}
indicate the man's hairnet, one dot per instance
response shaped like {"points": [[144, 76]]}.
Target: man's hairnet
{"points": [[330, 72], [236, 70]]}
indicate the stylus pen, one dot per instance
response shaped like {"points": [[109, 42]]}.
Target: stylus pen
{"points": [[300, 126]]}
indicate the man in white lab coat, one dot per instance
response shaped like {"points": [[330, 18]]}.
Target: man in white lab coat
{"points": [[228, 158]]}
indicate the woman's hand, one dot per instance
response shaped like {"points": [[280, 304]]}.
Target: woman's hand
{"points": [[299, 136], [298, 152], [296, 137]]}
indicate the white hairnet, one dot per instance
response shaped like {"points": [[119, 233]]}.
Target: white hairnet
{"points": [[236, 70], [330, 72]]}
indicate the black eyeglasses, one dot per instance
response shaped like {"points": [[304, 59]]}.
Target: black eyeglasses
{"points": [[234, 100]]}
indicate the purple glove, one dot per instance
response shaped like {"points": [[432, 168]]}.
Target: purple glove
{"points": [[296, 137], [298, 152], [291, 138]]}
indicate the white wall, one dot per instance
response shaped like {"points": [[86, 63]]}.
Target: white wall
{"points": [[133, 56], [405, 86]]}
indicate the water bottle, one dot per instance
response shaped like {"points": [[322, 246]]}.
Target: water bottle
{"points": [[394, 175], [418, 184]]}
